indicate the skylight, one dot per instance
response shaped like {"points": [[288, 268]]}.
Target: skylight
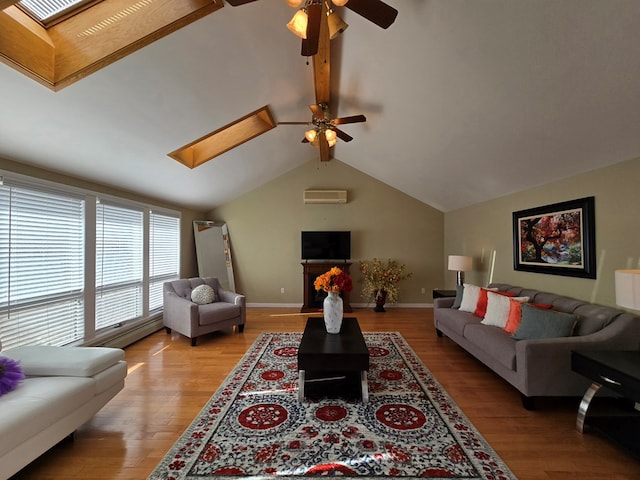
{"points": [[47, 11]]}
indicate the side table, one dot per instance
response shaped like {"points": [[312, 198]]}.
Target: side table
{"points": [[618, 371], [437, 293]]}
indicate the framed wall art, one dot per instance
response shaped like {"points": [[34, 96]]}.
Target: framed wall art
{"points": [[557, 239]]}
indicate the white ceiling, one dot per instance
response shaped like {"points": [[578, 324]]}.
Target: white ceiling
{"points": [[466, 100]]}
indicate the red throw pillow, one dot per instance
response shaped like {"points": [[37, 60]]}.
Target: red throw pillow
{"points": [[483, 299]]}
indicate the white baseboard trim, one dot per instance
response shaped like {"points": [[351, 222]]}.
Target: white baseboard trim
{"points": [[354, 305]]}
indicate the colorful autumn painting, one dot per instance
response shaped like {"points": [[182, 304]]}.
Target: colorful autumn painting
{"points": [[556, 239]]}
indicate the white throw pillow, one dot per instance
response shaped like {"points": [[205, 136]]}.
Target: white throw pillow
{"points": [[203, 294], [498, 309], [470, 296]]}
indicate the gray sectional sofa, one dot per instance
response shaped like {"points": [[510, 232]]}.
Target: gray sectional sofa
{"points": [[539, 367]]}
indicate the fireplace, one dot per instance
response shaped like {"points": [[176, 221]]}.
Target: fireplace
{"points": [[313, 299]]}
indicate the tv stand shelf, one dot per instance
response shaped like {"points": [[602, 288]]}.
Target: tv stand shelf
{"points": [[313, 299]]}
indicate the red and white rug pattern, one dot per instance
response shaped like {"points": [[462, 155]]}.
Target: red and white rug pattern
{"points": [[254, 426]]}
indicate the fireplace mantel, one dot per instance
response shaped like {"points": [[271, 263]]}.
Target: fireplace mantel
{"points": [[312, 298]]}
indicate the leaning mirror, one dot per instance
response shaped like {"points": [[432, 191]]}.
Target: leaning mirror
{"points": [[213, 251]]}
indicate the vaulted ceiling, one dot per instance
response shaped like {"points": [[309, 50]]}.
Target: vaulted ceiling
{"points": [[466, 100]]}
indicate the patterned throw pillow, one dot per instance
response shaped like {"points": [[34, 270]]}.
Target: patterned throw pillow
{"points": [[483, 300], [470, 296], [203, 294], [498, 307]]}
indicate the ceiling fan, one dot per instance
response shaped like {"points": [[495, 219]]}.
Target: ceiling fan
{"points": [[311, 13], [324, 129]]}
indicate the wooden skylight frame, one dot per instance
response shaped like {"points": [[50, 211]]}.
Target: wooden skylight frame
{"points": [[224, 139], [91, 39]]}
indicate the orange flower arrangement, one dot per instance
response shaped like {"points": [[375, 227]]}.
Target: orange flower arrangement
{"points": [[335, 280]]}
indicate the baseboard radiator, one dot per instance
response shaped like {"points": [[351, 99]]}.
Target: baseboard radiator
{"points": [[132, 335]]}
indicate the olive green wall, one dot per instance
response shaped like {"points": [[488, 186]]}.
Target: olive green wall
{"points": [[483, 228], [265, 224], [188, 264]]}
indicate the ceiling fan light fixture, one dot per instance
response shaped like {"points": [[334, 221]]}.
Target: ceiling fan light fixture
{"points": [[295, 3], [331, 135], [310, 135], [336, 24], [340, 3], [298, 24]]}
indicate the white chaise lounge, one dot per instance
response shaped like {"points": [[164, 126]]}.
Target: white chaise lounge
{"points": [[64, 388]]}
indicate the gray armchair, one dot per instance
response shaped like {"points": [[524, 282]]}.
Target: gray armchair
{"points": [[192, 319]]}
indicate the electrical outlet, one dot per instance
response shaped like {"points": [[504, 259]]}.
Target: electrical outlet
{"points": [[423, 291], [282, 290]]}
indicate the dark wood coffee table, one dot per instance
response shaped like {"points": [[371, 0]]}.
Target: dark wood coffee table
{"points": [[332, 363]]}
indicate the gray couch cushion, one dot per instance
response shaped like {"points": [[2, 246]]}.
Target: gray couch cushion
{"points": [[592, 318], [495, 341], [456, 320]]}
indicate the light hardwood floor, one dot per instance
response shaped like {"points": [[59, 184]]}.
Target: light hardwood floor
{"points": [[169, 382]]}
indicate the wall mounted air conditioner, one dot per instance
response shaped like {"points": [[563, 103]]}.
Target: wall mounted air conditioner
{"points": [[325, 196]]}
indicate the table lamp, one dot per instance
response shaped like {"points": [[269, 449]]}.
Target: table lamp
{"points": [[460, 264], [628, 288]]}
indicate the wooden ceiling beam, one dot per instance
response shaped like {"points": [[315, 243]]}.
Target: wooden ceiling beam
{"points": [[322, 62]]}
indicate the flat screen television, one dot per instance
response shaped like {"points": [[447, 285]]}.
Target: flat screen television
{"points": [[334, 245]]}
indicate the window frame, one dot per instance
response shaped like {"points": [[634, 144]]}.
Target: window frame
{"points": [[92, 335]]}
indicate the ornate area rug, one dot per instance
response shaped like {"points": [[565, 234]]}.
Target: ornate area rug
{"points": [[254, 425]]}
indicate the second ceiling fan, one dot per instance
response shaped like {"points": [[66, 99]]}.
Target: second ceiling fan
{"points": [[325, 129]]}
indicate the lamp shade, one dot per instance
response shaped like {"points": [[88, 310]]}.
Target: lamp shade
{"points": [[298, 24], [628, 288], [336, 25], [460, 263]]}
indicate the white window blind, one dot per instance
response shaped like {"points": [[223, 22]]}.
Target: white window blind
{"points": [[164, 254], [44, 10], [119, 264], [41, 266]]}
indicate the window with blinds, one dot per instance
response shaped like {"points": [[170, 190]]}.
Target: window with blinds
{"points": [[45, 295], [41, 266], [164, 255], [119, 264]]}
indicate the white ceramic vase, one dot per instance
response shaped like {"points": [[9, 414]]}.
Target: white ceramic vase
{"points": [[332, 310]]}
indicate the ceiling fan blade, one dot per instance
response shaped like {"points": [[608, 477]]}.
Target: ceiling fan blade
{"points": [[317, 111], [375, 11], [342, 135], [324, 148], [351, 119], [310, 44], [235, 3]]}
